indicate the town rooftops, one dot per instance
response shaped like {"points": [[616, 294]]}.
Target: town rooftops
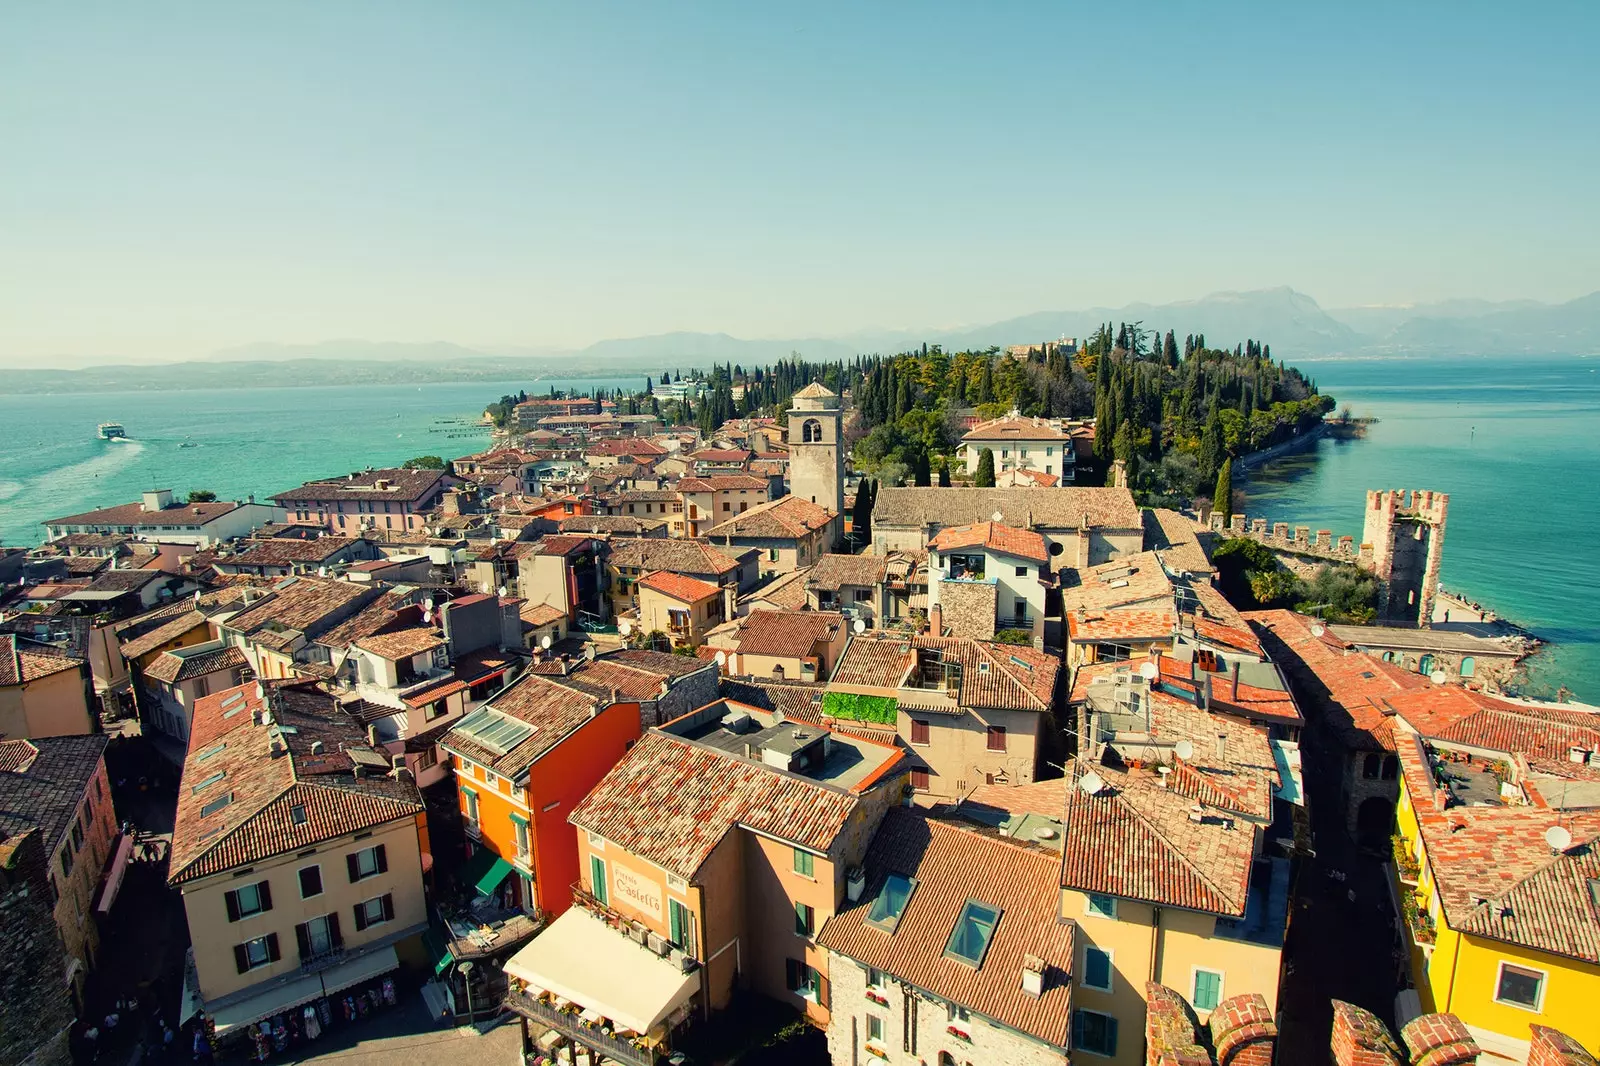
{"points": [[632, 673], [198, 661], [786, 633], [145, 632], [681, 556], [23, 661], [286, 551], [1546, 736], [1424, 640], [42, 782], [624, 446], [271, 774], [524, 721], [722, 483], [978, 673], [1028, 508], [943, 866], [305, 605], [716, 456], [672, 798], [799, 701], [786, 518], [136, 515], [992, 536], [1177, 537], [393, 485], [1345, 688], [784, 592], [628, 525], [833, 572], [399, 644], [1016, 427], [1121, 624], [680, 587]]}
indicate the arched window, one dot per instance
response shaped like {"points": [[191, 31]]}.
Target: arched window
{"points": [[1469, 666], [1391, 767], [811, 431], [1425, 665], [1371, 766]]}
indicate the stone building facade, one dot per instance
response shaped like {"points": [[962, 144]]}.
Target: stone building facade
{"points": [[35, 1013], [1406, 532], [816, 455]]}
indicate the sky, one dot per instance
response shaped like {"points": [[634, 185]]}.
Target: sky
{"points": [[177, 178]]}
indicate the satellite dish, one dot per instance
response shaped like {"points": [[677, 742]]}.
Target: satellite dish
{"points": [[998, 516], [1183, 749], [624, 627], [427, 616], [1149, 671], [502, 592], [1091, 783], [1317, 631], [1558, 838], [1438, 677], [722, 658], [859, 626], [427, 604], [545, 642]]}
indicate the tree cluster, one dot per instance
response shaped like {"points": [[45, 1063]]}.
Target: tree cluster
{"points": [[1252, 578]]}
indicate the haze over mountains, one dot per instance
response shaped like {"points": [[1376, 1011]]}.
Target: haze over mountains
{"points": [[1294, 324]]}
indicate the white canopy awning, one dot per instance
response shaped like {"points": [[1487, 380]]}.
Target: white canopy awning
{"points": [[361, 968], [267, 1003], [582, 959]]}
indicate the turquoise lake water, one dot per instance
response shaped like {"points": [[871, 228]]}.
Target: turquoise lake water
{"points": [[1516, 443]]}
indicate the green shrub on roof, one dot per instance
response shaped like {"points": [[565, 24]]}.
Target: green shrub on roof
{"points": [[856, 708]]}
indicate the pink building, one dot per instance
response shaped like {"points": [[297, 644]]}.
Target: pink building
{"points": [[368, 499]]}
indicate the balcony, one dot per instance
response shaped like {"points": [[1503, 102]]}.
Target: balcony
{"points": [[570, 1023], [1020, 621]]}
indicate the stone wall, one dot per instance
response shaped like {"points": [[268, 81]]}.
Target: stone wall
{"points": [[967, 608], [1551, 1047], [1360, 1039], [1241, 1031], [35, 1013]]}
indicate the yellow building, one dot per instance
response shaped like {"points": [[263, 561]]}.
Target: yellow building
{"points": [[1498, 862]]}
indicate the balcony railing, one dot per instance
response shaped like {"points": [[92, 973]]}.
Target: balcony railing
{"points": [[1020, 621], [572, 1026]]}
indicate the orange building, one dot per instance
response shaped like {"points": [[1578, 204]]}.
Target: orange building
{"points": [[522, 763]]}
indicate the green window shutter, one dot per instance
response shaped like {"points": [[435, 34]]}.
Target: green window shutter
{"points": [[804, 862], [1207, 989], [597, 875]]}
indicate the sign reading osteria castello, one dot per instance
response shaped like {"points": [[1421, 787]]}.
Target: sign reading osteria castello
{"points": [[641, 893]]}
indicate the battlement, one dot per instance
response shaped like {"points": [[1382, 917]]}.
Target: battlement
{"points": [[1294, 540], [1423, 505]]}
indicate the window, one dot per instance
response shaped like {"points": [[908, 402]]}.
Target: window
{"points": [[1097, 969], [1391, 767], [772, 555], [1370, 766], [803, 980], [1519, 986], [919, 731], [216, 805], [297, 814], [374, 911], [262, 951], [862, 595], [1019, 608], [1101, 906], [368, 862], [310, 881], [969, 940], [1469, 666], [891, 901], [804, 863], [248, 900], [1207, 989], [318, 937], [428, 757], [597, 879], [874, 978], [958, 1016], [1022, 571], [874, 1029], [523, 845], [919, 780], [469, 804], [77, 833], [805, 920], [679, 922], [997, 738], [1094, 1032]]}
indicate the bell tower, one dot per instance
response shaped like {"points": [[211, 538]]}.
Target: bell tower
{"points": [[816, 463]]}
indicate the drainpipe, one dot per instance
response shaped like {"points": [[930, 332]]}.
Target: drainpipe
{"points": [[1155, 941]]}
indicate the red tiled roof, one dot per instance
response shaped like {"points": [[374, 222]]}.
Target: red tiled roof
{"points": [[952, 865], [722, 483], [172, 668], [832, 572], [786, 633], [679, 586], [402, 486], [1121, 623], [1015, 428], [402, 643], [555, 711], [1000, 676], [134, 514], [785, 518], [992, 536], [23, 660]]}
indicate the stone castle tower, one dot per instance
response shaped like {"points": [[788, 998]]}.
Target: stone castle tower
{"points": [[1405, 532], [816, 459]]}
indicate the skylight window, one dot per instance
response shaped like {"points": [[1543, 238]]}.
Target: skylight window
{"points": [[493, 730], [215, 749], [211, 780], [969, 940], [216, 805], [891, 901]]}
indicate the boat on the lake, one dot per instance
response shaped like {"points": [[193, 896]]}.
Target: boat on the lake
{"points": [[112, 431]]}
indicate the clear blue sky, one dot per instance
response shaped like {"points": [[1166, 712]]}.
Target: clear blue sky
{"points": [[178, 177]]}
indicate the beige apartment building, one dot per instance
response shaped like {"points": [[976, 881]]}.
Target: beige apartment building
{"points": [[299, 857], [44, 690]]}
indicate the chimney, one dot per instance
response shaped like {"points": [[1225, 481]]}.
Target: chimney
{"points": [[1234, 696], [1439, 1040], [1222, 748], [936, 620], [1033, 976], [372, 736]]}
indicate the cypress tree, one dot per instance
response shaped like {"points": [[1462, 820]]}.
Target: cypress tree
{"points": [[986, 383], [1222, 496], [984, 478], [1211, 447], [861, 517], [944, 473], [921, 475]]}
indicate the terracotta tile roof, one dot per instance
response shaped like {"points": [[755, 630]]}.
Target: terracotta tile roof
{"points": [[80, 565], [992, 536], [722, 455], [556, 544], [682, 556], [279, 803], [1332, 682], [616, 523], [1015, 428], [786, 518], [1022, 477], [540, 614], [951, 865], [999, 676], [172, 668], [1063, 509], [285, 551], [679, 586], [633, 673], [1120, 624], [387, 610], [134, 514], [783, 591], [555, 711], [1178, 539], [799, 702], [402, 643], [42, 782], [23, 660], [308, 605], [786, 633], [1233, 637], [1211, 603], [722, 483], [403, 486], [624, 446], [671, 801], [1133, 579], [815, 391]]}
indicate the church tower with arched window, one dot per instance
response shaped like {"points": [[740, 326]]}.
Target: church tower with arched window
{"points": [[816, 461]]}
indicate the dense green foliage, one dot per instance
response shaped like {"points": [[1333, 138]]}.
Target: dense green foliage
{"points": [[1013, 636], [984, 477], [202, 496], [857, 708], [424, 462], [1252, 578], [500, 411], [1222, 495]]}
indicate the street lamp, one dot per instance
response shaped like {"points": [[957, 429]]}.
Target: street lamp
{"points": [[466, 974]]}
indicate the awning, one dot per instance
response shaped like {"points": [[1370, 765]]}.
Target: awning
{"points": [[115, 873], [361, 968], [438, 949], [582, 959], [1291, 787], [265, 1004], [485, 871]]}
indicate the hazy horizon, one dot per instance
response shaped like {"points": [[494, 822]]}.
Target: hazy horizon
{"points": [[503, 175]]}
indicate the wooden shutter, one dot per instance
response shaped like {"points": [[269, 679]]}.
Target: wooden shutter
{"points": [[231, 899], [355, 870], [388, 907], [273, 954], [265, 890], [333, 931], [383, 858], [302, 938], [241, 955], [361, 917]]}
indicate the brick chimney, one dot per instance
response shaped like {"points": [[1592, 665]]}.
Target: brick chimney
{"points": [[1360, 1039], [1243, 1031], [1551, 1047], [936, 621], [1439, 1040], [1171, 1031]]}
